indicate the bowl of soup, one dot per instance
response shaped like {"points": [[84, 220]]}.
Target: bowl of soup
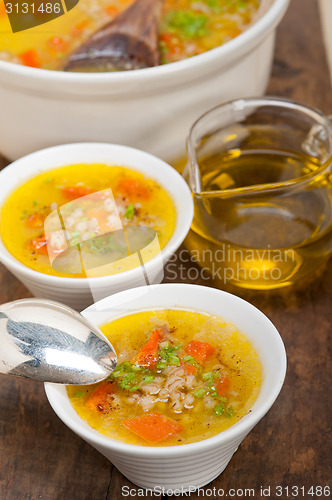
{"points": [[212, 51], [90, 220], [197, 369]]}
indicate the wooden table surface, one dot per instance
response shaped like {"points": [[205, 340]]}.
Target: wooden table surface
{"points": [[40, 458]]}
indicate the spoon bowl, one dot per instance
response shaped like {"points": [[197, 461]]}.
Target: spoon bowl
{"points": [[49, 342]]}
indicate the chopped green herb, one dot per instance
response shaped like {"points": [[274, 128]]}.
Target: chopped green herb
{"points": [[241, 4], [148, 378], [174, 360], [220, 398], [229, 412], [200, 393], [188, 24], [163, 354], [208, 376], [214, 5], [75, 241], [136, 368], [35, 202], [79, 394], [219, 409], [190, 360], [75, 234], [161, 365], [211, 386], [130, 212], [133, 389], [128, 381]]}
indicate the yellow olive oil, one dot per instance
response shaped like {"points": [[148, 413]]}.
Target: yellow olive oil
{"points": [[263, 218]]}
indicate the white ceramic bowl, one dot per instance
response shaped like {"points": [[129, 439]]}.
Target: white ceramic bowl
{"points": [[151, 109], [192, 465], [77, 292]]}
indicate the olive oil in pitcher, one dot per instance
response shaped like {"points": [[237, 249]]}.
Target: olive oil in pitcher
{"points": [[263, 217]]}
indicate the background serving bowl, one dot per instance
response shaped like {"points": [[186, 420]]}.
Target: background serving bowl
{"points": [[196, 464], [76, 292], [151, 109]]}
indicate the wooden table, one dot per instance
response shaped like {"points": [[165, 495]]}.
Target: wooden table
{"points": [[40, 458]]}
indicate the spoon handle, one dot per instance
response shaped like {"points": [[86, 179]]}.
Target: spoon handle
{"points": [[10, 354]]}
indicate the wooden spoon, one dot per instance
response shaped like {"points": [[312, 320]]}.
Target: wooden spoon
{"points": [[130, 41]]}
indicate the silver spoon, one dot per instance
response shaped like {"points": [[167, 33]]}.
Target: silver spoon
{"points": [[50, 342]]}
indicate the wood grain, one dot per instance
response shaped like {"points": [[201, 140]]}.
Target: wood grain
{"points": [[40, 458]]}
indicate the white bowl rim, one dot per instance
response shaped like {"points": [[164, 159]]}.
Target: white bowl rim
{"points": [[169, 249], [255, 31], [242, 427]]}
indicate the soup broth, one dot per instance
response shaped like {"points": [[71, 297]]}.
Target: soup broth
{"points": [[135, 202], [188, 28], [182, 376], [266, 240]]}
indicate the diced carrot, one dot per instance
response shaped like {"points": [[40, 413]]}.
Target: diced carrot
{"points": [[112, 11], [35, 221], [77, 30], [3, 11], [58, 43], [30, 58], [99, 398], [148, 355], [188, 369], [200, 351], [153, 427], [100, 215], [74, 192], [39, 245], [133, 188], [172, 43], [223, 386]]}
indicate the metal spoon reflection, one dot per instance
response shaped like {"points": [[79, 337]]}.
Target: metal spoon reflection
{"points": [[50, 342]]}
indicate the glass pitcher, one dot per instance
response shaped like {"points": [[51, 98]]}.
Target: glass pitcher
{"points": [[260, 174]]}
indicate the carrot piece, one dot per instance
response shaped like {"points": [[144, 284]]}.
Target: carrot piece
{"points": [[30, 58], [133, 188], [99, 398], [153, 427], [188, 369], [3, 11], [148, 355], [223, 386], [200, 351], [172, 43], [74, 192], [58, 43], [112, 11], [77, 30], [35, 221], [39, 245]]}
